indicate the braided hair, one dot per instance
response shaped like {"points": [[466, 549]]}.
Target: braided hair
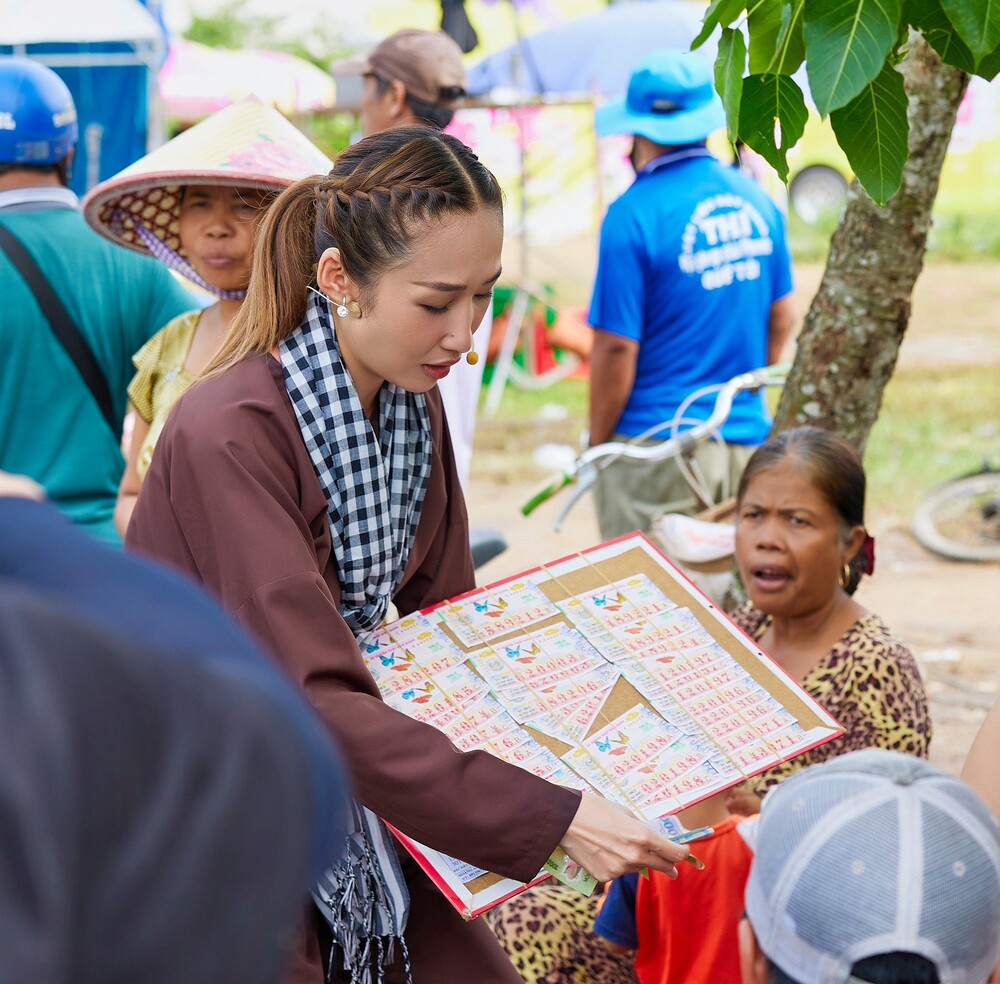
{"points": [[372, 206]]}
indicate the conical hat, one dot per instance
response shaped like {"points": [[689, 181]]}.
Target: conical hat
{"points": [[248, 145]]}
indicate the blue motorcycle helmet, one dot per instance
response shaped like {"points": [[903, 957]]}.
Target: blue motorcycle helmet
{"points": [[38, 124]]}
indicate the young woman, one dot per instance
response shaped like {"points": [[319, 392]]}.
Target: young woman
{"points": [[802, 548], [195, 204], [309, 481]]}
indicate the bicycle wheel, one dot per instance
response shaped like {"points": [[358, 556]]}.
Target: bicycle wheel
{"points": [[960, 519]]}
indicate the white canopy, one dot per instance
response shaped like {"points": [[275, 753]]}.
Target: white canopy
{"points": [[75, 22]]}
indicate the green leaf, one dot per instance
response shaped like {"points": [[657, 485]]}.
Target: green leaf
{"points": [[730, 64], [776, 43], [764, 26], [989, 67], [773, 115], [722, 12], [846, 46], [791, 43], [928, 17], [901, 46], [978, 22], [872, 130]]}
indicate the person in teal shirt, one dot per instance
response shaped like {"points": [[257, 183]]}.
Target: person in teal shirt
{"points": [[51, 427]]}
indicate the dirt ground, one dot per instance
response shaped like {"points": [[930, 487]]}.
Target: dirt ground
{"points": [[943, 610]]}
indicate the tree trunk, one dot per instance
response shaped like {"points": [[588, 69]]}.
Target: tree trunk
{"points": [[851, 335]]}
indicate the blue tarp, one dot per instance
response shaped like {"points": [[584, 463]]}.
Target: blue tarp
{"points": [[111, 83], [111, 103]]}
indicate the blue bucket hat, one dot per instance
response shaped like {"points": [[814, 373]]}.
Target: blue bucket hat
{"points": [[671, 100]]}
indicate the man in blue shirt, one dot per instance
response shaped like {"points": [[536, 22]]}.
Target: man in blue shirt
{"points": [[693, 287], [51, 425]]}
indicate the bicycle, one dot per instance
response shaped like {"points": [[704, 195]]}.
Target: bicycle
{"points": [[583, 473], [701, 546], [960, 519]]}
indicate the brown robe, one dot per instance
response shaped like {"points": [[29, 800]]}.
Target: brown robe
{"points": [[231, 499]]}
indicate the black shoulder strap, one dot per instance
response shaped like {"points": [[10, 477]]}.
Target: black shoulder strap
{"points": [[63, 326]]}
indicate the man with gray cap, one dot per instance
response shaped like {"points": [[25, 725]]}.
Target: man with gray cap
{"points": [[693, 286], [417, 78], [873, 867]]}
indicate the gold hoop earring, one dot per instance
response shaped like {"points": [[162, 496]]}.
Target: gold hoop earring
{"points": [[845, 576]]}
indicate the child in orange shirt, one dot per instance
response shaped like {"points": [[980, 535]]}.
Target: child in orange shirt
{"points": [[684, 931]]}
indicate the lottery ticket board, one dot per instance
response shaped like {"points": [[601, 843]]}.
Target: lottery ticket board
{"points": [[606, 671]]}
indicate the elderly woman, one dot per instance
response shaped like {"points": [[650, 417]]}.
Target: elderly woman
{"points": [[195, 204], [802, 548]]}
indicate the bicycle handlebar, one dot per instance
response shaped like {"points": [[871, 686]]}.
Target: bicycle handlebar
{"points": [[584, 471]]}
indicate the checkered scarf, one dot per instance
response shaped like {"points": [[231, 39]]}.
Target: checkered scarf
{"points": [[374, 489], [374, 486]]}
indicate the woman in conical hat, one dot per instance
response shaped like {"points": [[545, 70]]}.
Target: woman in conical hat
{"points": [[195, 204]]}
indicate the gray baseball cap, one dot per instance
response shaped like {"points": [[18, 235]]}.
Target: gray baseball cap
{"points": [[871, 853]]}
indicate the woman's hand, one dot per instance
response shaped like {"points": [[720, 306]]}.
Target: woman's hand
{"points": [[608, 841], [743, 800]]}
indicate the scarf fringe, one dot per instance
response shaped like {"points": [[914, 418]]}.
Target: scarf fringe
{"points": [[361, 972], [356, 902]]}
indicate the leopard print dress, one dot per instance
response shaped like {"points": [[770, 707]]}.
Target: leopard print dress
{"points": [[548, 933], [869, 681]]}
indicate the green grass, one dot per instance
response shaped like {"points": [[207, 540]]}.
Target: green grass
{"points": [[952, 238], [964, 238], [811, 243], [934, 424], [525, 420], [569, 394]]}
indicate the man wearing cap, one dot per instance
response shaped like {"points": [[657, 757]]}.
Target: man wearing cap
{"points": [[877, 867], [693, 286], [74, 309], [417, 78], [412, 78]]}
